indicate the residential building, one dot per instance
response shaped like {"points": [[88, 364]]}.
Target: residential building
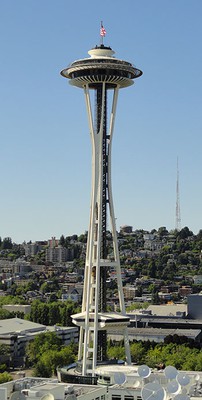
{"points": [[126, 229], [59, 254]]}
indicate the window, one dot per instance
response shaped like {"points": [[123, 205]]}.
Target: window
{"points": [[116, 397]]}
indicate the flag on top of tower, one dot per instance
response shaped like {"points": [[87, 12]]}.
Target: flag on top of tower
{"points": [[102, 30]]}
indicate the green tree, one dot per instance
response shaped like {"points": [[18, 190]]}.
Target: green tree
{"points": [[43, 314], [32, 285], [4, 349], [49, 286], [198, 362], [116, 352], [53, 313], [7, 243], [152, 269], [53, 358], [154, 357], [42, 370], [4, 314], [41, 344], [62, 240], [155, 297], [138, 352], [83, 238], [185, 233], [162, 231], [5, 377], [46, 353], [179, 355], [192, 361], [3, 367], [54, 310]]}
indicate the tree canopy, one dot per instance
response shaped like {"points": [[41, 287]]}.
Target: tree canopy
{"points": [[57, 312], [46, 352]]}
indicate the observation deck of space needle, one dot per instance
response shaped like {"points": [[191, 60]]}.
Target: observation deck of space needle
{"points": [[99, 74]]}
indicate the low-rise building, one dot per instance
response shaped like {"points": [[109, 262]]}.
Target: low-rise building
{"points": [[24, 308], [126, 229], [184, 291], [17, 332], [129, 292]]}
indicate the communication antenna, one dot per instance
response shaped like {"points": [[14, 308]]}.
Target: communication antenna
{"points": [[143, 371], [183, 379], [173, 387], [17, 396], [170, 372], [153, 391], [177, 210], [48, 396], [119, 378], [181, 397]]}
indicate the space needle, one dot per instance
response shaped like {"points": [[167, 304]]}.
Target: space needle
{"points": [[103, 75]]}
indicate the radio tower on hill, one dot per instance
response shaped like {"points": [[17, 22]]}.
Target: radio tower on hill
{"points": [[177, 210], [100, 74]]}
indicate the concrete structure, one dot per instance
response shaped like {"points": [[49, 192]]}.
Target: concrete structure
{"points": [[24, 308], [197, 279], [11, 268], [31, 249], [124, 383], [16, 333], [100, 73], [126, 229], [58, 254], [184, 291], [129, 292], [157, 335], [49, 389], [73, 294], [167, 309], [194, 303], [55, 253]]}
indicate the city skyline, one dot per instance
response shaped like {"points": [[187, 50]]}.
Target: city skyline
{"points": [[44, 180]]}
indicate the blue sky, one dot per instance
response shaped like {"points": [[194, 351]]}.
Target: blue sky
{"points": [[45, 152]]}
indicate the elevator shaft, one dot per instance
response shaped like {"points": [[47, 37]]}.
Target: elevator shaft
{"points": [[102, 307]]}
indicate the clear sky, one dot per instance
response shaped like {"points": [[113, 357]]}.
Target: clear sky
{"points": [[45, 152]]}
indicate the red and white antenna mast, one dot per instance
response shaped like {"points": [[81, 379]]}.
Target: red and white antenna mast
{"points": [[177, 210]]}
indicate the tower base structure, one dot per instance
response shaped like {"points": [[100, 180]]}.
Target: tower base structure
{"points": [[109, 322], [103, 75]]}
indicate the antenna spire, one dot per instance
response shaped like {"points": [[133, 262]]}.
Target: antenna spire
{"points": [[102, 32]]}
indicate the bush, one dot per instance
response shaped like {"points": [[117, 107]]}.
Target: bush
{"points": [[5, 377]]}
